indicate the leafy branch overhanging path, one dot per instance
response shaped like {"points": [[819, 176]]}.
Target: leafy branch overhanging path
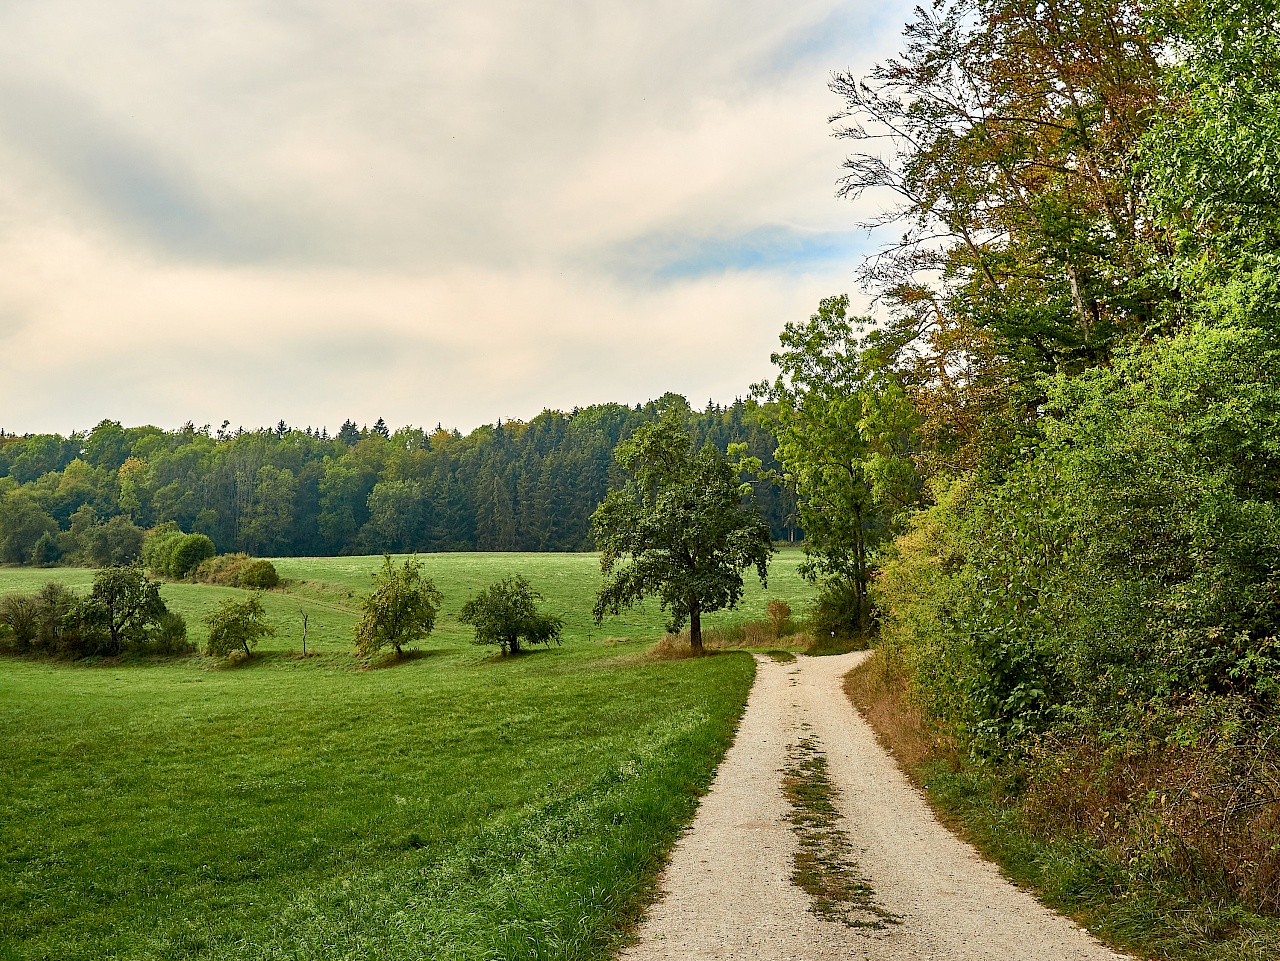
{"points": [[729, 892]]}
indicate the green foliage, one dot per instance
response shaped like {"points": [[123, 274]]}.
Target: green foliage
{"points": [[189, 553], [22, 525], [46, 550], [258, 575], [115, 542], [843, 427], [683, 528], [839, 611], [170, 635], [401, 610], [506, 613], [123, 608], [288, 492], [21, 615], [237, 626], [1211, 157], [171, 553]]}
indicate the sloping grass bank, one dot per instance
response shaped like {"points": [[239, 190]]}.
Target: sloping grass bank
{"points": [[1072, 872], [453, 807]]}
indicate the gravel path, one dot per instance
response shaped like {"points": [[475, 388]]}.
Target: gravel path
{"points": [[727, 892]]}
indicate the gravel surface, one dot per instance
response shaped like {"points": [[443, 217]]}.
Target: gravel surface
{"points": [[727, 892]]}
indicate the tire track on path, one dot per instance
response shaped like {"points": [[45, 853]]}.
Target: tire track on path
{"points": [[728, 893]]}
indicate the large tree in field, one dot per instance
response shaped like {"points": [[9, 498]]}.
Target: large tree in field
{"points": [[683, 529]]}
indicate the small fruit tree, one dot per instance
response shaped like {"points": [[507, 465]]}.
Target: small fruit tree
{"points": [[402, 608], [506, 612]]}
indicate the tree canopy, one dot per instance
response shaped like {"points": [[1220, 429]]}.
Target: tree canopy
{"points": [[237, 625], [516, 485], [401, 610], [506, 613], [844, 430], [683, 528]]}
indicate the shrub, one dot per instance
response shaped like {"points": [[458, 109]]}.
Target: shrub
{"points": [[55, 603], [118, 541], [158, 548], [47, 550], [171, 553], [21, 615], [224, 569], [259, 575], [779, 613], [837, 611], [188, 553], [170, 635]]}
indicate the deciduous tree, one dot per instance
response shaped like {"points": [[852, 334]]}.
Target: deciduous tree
{"points": [[402, 608], [683, 528], [506, 612], [237, 625]]}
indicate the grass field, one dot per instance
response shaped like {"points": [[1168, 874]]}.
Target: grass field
{"points": [[454, 805]]}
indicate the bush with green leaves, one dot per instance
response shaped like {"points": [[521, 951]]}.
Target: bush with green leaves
{"points": [[237, 626], [122, 612], [171, 553], [20, 614], [506, 613], [259, 575], [401, 610], [116, 541]]}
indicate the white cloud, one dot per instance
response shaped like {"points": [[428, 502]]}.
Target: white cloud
{"points": [[421, 211]]}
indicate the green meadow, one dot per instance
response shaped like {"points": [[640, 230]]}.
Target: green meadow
{"points": [[450, 805]]}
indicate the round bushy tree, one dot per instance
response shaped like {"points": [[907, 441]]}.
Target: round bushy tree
{"points": [[237, 625], [401, 609], [506, 613]]}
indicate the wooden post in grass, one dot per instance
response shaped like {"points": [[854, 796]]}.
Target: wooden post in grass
{"points": [[305, 617]]}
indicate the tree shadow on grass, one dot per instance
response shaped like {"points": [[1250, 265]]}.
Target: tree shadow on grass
{"points": [[395, 660]]}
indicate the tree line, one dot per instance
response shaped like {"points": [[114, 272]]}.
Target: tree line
{"points": [[530, 486]]}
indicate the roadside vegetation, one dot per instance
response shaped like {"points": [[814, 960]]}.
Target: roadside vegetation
{"points": [[1049, 473]]}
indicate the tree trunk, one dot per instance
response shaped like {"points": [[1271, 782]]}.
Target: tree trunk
{"points": [[695, 627], [861, 576]]}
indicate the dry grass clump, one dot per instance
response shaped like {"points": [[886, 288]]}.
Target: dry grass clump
{"points": [[880, 696], [748, 635]]}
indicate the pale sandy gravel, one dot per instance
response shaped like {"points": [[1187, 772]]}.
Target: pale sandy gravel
{"points": [[727, 892]]}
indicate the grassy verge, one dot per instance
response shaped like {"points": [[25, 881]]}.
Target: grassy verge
{"points": [[454, 807], [1072, 874]]}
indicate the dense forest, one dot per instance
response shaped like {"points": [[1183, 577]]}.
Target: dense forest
{"points": [[1058, 491], [285, 491]]}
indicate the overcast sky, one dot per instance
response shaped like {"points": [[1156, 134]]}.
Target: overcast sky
{"points": [[425, 211]]}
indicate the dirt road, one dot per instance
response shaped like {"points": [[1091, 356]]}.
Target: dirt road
{"points": [[729, 893]]}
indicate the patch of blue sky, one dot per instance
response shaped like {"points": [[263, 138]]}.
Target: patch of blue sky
{"points": [[669, 257], [843, 35]]}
